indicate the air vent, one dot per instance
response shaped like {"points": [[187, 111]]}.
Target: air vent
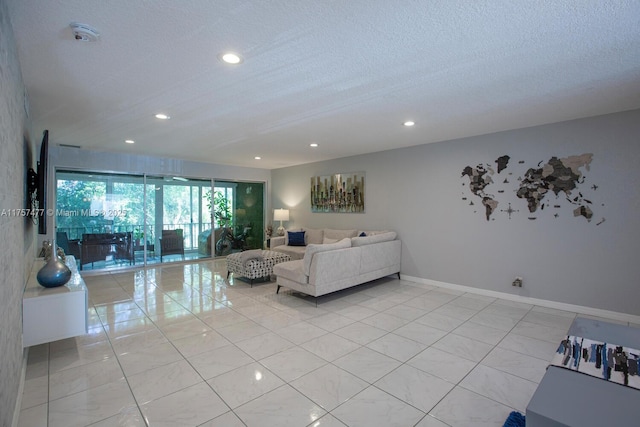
{"points": [[83, 32]]}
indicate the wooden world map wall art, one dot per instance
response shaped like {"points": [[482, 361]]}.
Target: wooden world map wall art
{"points": [[555, 187]]}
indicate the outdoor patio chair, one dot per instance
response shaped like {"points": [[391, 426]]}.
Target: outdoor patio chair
{"points": [[172, 243]]}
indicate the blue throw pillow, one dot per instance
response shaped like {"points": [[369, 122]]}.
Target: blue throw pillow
{"points": [[296, 238], [363, 234]]}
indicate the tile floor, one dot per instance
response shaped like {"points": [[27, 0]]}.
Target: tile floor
{"points": [[153, 258], [182, 346]]}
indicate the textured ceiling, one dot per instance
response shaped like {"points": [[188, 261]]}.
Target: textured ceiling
{"points": [[343, 74]]}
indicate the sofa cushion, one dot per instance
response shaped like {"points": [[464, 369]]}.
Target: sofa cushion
{"points": [[296, 238], [314, 249], [292, 270], [375, 238], [327, 241], [313, 235], [339, 234]]}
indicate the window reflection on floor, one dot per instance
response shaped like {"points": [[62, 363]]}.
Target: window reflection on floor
{"points": [[152, 258]]}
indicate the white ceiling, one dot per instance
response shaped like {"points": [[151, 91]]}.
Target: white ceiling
{"points": [[343, 74]]}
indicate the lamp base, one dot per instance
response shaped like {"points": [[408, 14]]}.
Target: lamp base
{"points": [[280, 231]]}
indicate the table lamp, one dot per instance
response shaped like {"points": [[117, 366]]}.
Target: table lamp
{"points": [[281, 215]]}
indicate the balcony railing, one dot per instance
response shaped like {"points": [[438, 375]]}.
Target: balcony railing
{"points": [[190, 231]]}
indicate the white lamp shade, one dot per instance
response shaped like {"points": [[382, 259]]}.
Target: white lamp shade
{"points": [[281, 215]]}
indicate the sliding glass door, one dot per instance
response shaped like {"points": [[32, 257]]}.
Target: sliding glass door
{"points": [[114, 220], [183, 209], [117, 220]]}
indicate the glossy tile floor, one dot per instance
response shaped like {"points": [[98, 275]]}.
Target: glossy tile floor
{"points": [[152, 259], [182, 346]]}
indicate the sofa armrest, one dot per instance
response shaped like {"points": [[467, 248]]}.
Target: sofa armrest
{"points": [[276, 241]]}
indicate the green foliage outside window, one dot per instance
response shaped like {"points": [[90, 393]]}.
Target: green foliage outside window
{"points": [[223, 215]]}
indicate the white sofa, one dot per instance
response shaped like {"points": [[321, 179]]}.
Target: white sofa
{"points": [[312, 236], [322, 268]]}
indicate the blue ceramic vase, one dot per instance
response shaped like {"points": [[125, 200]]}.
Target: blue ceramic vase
{"points": [[54, 273]]}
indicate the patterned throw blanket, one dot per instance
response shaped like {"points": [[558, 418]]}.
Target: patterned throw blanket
{"points": [[599, 359], [247, 256]]}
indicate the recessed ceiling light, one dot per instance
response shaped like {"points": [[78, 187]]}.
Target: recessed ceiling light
{"points": [[129, 141], [313, 144], [162, 116], [257, 157], [230, 58], [409, 123]]}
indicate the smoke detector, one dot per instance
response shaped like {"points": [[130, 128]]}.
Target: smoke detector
{"points": [[83, 32]]}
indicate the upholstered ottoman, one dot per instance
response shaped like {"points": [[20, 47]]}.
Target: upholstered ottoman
{"points": [[254, 264]]}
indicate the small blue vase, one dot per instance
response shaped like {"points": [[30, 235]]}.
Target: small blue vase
{"points": [[54, 273]]}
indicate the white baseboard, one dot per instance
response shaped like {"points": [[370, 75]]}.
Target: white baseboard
{"points": [[23, 375], [622, 317]]}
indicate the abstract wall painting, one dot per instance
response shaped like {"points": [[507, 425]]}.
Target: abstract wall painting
{"points": [[338, 193]]}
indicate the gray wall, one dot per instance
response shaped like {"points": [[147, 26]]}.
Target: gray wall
{"points": [[418, 192], [16, 233]]}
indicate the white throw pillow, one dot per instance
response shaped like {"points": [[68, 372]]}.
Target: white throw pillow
{"points": [[376, 238], [339, 234], [313, 236]]}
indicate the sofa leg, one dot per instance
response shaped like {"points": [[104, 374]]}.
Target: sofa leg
{"points": [[278, 290], [398, 275]]}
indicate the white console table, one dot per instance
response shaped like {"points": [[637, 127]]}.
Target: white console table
{"points": [[51, 314]]}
